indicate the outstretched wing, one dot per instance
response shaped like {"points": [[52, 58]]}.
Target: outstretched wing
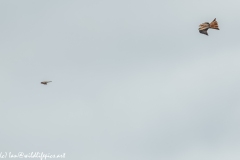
{"points": [[204, 31], [214, 24], [203, 28]]}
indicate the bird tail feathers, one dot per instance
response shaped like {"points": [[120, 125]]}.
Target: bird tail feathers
{"points": [[214, 24]]}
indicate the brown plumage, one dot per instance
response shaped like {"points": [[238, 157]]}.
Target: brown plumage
{"points": [[205, 26], [45, 82]]}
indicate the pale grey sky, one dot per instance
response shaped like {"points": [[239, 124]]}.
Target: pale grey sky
{"points": [[132, 79]]}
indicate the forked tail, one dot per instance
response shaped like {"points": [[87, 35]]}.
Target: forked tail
{"points": [[214, 24]]}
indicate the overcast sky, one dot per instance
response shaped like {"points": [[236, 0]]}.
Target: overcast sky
{"points": [[132, 79]]}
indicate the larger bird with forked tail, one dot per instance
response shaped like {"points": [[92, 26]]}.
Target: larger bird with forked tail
{"points": [[205, 26]]}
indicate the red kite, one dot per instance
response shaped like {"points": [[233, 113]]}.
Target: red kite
{"points": [[205, 26]]}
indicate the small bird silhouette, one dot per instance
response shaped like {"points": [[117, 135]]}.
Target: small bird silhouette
{"points": [[45, 82], [205, 26]]}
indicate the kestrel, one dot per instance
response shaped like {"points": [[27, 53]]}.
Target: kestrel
{"points": [[45, 82], [205, 26]]}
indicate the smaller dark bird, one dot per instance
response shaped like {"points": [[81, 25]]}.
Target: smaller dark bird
{"points": [[45, 82], [205, 26]]}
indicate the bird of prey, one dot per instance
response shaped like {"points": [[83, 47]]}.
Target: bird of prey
{"points": [[45, 82], [205, 26]]}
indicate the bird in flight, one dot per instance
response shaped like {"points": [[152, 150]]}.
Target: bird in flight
{"points": [[45, 82], [205, 26]]}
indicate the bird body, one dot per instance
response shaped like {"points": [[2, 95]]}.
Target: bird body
{"points": [[45, 82], [205, 26]]}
